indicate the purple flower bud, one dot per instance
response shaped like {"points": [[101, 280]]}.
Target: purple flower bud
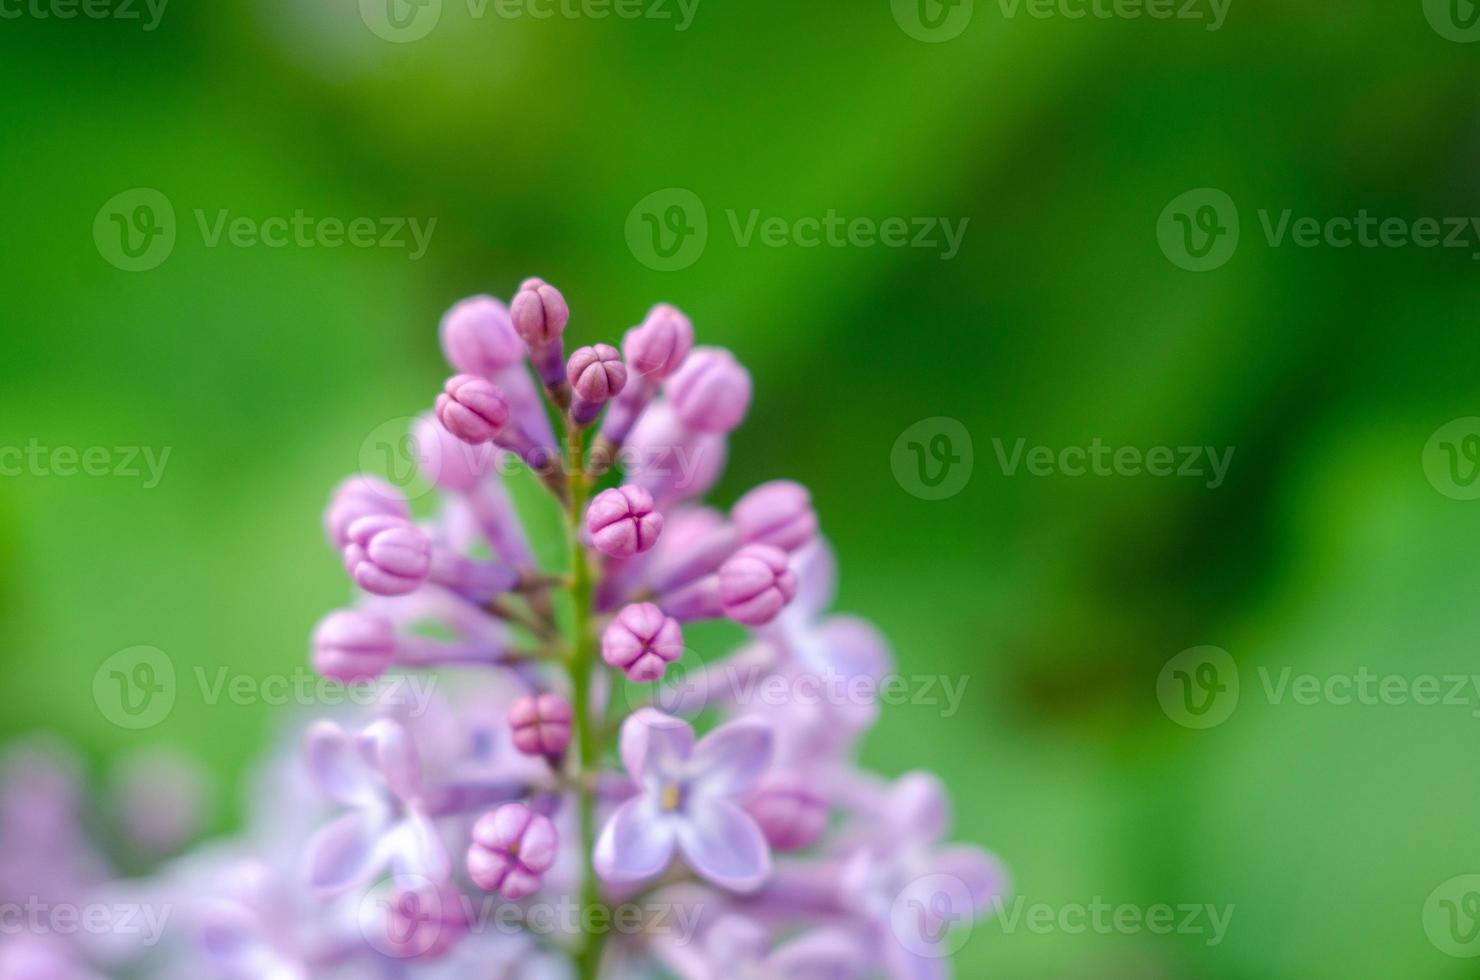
{"points": [[658, 347], [711, 392], [790, 812], [756, 584], [778, 513], [622, 521], [353, 646], [512, 849], [540, 315], [478, 337], [597, 375], [387, 555], [472, 409], [642, 642], [541, 725], [361, 496]]}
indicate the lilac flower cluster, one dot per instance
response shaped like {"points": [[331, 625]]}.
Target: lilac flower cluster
{"points": [[555, 813]]}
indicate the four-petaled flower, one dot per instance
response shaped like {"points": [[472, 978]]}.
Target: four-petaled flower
{"points": [[377, 774], [688, 797]]}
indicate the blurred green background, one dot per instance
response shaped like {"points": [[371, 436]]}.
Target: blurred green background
{"points": [[1058, 599]]}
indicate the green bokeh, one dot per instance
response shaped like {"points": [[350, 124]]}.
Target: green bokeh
{"points": [[1060, 321]]}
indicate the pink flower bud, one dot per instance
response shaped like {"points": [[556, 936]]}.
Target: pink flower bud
{"points": [[539, 313], [361, 496], [353, 646], [778, 513], [478, 337], [622, 521], [642, 642], [596, 375], [790, 812], [541, 725], [387, 555], [472, 409], [512, 849], [711, 392], [658, 347], [756, 584]]}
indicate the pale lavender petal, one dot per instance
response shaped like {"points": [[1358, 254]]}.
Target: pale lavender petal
{"points": [[982, 874], [901, 964], [733, 757], [827, 954], [337, 768], [816, 568], [849, 646], [918, 806], [723, 844], [387, 746], [347, 853], [649, 737], [636, 843], [736, 941], [415, 848]]}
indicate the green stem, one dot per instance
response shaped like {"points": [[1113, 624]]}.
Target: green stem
{"points": [[582, 664]]}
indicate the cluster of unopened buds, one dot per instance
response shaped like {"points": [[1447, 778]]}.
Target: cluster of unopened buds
{"points": [[553, 811]]}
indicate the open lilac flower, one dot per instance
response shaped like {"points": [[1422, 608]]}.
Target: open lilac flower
{"points": [[907, 867], [377, 776], [688, 800]]}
